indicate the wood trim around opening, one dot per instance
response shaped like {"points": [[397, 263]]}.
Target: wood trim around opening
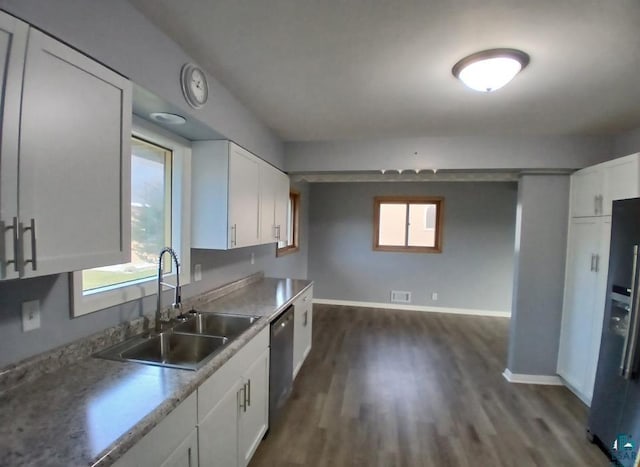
{"points": [[295, 203], [437, 200]]}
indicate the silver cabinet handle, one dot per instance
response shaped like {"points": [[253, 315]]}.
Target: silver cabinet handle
{"points": [[16, 243], [32, 229], [597, 268], [189, 456], [243, 399], [249, 393], [306, 318], [233, 235], [277, 232], [595, 205], [601, 204], [592, 261]]}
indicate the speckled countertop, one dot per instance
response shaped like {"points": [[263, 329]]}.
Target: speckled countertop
{"points": [[92, 412]]}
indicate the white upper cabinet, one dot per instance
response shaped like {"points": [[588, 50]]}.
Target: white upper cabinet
{"points": [[65, 167], [586, 189], [274, 197], [235, 197], [225, 196], [13, 44], [244, 198], [282, 203], [594, 189], [621, 181]]}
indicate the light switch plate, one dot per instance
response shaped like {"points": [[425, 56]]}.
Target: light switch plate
{"points": [[30, 315], [434, 296]]}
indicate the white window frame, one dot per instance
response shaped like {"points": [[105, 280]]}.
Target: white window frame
{"points": [[180, 228]]}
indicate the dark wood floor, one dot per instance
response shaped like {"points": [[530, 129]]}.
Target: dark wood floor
{"points": [[399, 388]]}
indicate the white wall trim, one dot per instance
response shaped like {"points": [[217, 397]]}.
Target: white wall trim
{"points": [[428, 309], [519, 378]]}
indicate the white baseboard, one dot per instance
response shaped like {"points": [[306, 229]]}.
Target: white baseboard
{"points": [[549, 380], [428, 309]]}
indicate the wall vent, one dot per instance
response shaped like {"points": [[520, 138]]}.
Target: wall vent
{"points": [[400, 296]]}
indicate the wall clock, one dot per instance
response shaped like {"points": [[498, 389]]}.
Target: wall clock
{"points": [[194, 85]]}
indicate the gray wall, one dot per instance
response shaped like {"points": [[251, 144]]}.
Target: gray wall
{"points": [[474, 270], [541, 240], [116, 34], [58, 328], [550, 152]]}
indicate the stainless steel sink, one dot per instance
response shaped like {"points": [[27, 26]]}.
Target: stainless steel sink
{"points": [[174, 350], [217, 324]]}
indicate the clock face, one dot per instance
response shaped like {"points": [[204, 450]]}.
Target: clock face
{"points": [[194, 85]]}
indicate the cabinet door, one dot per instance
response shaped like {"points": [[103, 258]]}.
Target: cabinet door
{"points": [[602, 269], [218, 431], [244, 198], [281, 205], [74, 161], [302, 331], [254, 419], [579, 298], [620, 181], [185, 455], [13, 44], [586, 188], [268, 182]]}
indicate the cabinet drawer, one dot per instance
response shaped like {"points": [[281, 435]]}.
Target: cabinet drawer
{"points": [[218, 384]]}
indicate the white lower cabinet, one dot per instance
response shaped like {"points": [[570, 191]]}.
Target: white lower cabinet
{"points": [[220, 425], [218, 433], [171, 443], [233, 407], [302, 328], [185, 455], [254, 416]]}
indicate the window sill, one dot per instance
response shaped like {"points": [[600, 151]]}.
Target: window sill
{"points": [[286, 250], [404, 249]]}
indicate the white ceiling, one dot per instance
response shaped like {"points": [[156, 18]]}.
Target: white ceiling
{"points": [[351, 69]]}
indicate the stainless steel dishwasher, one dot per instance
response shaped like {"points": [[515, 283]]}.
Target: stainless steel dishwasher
{"points": [[281, 363]]}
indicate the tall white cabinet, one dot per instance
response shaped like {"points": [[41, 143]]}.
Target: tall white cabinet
{"points": [[592, 191], [64, 159]]}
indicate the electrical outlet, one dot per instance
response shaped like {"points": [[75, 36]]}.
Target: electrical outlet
{"points": [[434, 296], [197, 272], [30, 315], [253, 258]]}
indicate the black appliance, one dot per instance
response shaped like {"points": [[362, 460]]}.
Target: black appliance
{"points": [[614, 420]]}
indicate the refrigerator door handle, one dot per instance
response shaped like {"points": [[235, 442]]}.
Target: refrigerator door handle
{"points": [[631, 339]]}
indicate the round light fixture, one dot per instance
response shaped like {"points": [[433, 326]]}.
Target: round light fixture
{"points": [[490, 70], [168, 118]]}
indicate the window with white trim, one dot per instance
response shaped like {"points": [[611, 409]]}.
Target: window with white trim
{"points": [[160, 208]]}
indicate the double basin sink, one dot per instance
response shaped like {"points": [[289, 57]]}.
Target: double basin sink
{"points": [[187, 345]]}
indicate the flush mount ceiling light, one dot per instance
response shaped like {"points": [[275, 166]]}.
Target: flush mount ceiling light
{"points": [[168, 118], [490, 70]]}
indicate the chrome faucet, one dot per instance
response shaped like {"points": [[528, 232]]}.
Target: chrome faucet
{"points": [[177, 301]]}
